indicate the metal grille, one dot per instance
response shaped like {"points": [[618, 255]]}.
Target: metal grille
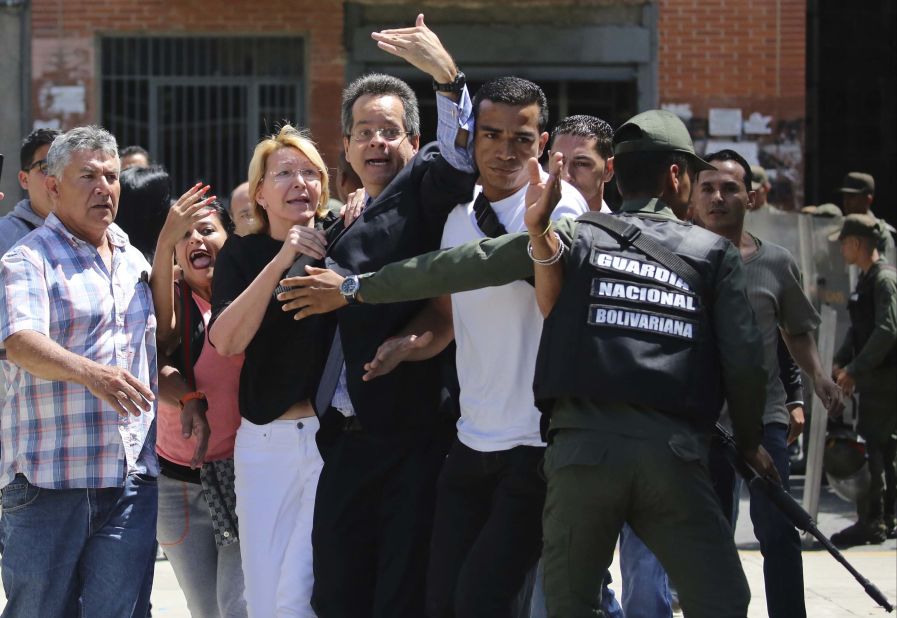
{"points": [[200, 104], [612, 100]]}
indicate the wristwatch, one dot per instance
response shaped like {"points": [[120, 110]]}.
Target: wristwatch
{"points": [[349, 289], [455, 86]]}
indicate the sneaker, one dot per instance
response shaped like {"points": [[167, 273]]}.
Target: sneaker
{"points": [[860, 534]]}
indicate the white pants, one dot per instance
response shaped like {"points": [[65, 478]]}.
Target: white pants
{"points": [[277, 467]]}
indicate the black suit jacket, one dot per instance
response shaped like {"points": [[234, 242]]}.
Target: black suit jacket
{"points": [[405, 220]]}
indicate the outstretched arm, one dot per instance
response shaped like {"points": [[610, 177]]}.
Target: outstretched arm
{"points": [[425, 336], [471, 266]]}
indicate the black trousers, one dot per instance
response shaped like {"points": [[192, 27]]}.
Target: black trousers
{"points": [[372, 522], [879, 503], [487, 533]]}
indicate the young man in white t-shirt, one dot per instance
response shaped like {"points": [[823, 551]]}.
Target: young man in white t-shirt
{"points": [[487, 534]]}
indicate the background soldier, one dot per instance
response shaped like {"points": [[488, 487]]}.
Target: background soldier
{"points": [[867, 363], [857, 194]]}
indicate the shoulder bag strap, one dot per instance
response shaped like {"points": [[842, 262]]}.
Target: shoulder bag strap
{"points": [[187, 332], [628, 234]]}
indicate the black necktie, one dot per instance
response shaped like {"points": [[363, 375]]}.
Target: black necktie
{"points": [[487, 220]]}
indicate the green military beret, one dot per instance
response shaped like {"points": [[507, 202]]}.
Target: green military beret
{"points": [[859, 225], [827, 210], [758, 177], [657, 130], [858, 182]]}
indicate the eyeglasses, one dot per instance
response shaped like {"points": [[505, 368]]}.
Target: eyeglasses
{"points": [[307, 174], [41, 164], [390, 134]]}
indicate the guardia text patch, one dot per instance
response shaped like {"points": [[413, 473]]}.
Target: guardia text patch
{"points": [[637, 268]]}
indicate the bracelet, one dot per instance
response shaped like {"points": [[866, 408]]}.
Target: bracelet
{"points": [[554, 259], [183, 401], [547, 227]]}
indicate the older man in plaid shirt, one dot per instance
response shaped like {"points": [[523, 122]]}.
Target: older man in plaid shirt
{"points": [[77, 432]]}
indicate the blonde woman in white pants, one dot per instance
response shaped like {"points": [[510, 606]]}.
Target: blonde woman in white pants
{"points": [[276, 461]]}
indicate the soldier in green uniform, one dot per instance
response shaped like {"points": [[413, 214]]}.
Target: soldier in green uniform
{"points": [[634, 363], [857, 194], [867, 363]]}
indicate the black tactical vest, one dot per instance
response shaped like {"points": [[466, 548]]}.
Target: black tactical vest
{"points": [[861, 308], [627, 329]]}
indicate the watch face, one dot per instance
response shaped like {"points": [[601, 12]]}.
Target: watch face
{"points": [[349, 286]]}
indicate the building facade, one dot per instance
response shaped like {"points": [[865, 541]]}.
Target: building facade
{"points": [[197, 82]]}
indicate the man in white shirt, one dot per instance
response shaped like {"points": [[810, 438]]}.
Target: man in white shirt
{"points": [[487, 534]]}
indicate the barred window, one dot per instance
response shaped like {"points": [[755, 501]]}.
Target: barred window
{"points": [[200, 104]]}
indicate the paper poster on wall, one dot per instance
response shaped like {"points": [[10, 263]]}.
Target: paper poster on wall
{"points": [[67, 100], [748, 150], [683, 110], [724, 121], [758, 124]]}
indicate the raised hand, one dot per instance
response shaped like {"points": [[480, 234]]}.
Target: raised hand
{"points": [[420, 47], [542, 196], [187, 210], [353, 208]]}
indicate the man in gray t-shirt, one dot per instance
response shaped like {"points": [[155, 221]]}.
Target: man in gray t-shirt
{"points": [[719, 202]]}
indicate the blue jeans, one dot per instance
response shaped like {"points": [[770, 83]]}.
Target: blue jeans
{"points": [[646, 589], [78, 552]]}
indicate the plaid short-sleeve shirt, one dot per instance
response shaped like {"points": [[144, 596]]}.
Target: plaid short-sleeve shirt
{"points": [[58, 434]]}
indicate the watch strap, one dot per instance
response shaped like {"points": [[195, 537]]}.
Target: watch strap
{"points": [[455, 86]]}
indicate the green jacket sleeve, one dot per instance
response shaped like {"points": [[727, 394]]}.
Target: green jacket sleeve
{"points": [[884, 335], [740, 348], [471, 266], [845, 353]]}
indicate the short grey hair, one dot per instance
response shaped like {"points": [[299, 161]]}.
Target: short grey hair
{"points": [[380, 85], [89, 138]]}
